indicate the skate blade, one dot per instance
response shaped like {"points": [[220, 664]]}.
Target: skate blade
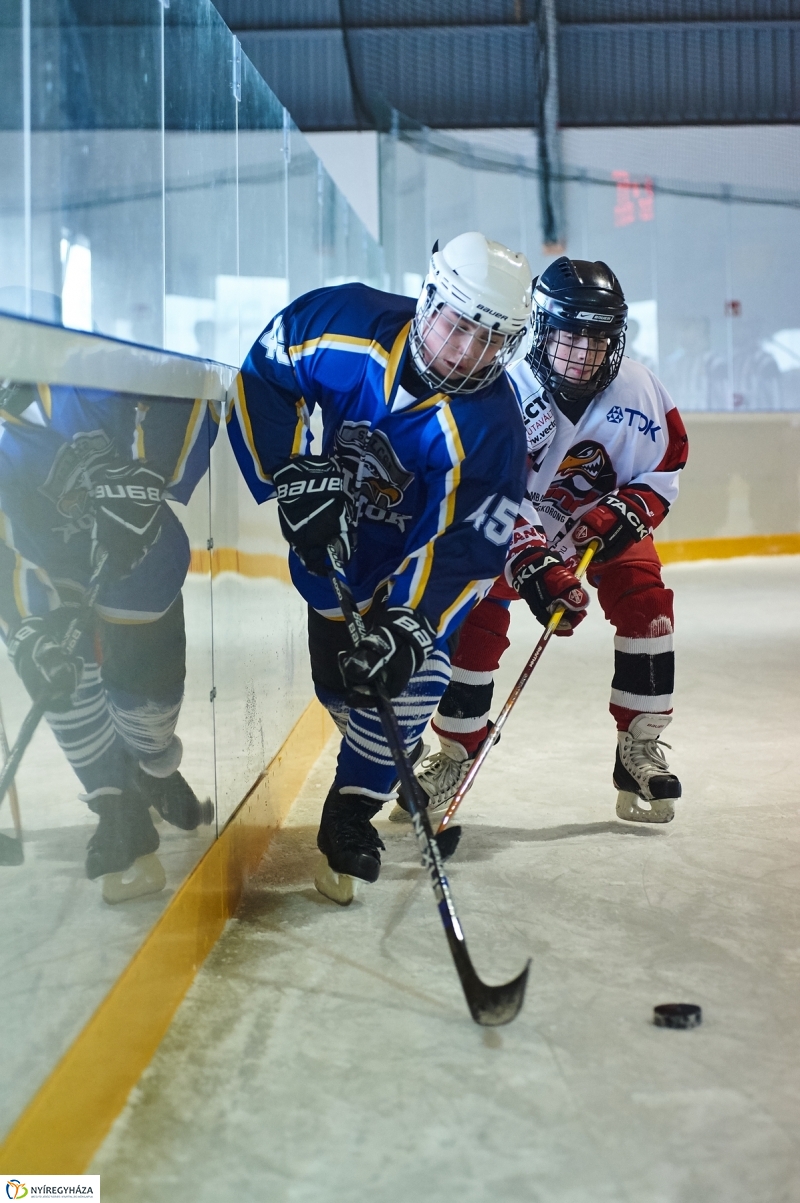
{"points": [[398, 815], [630, 809], [337, 886], [145, 876]]}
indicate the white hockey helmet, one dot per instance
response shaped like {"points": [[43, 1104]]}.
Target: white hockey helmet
{"points": [[472, 314]]}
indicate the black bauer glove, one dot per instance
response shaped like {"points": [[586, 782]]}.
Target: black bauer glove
{"points": [[543, 580], [616, 522], [49, 671], [128, 507], [313, 509], [397, 642]]}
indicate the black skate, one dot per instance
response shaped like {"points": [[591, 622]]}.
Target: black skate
{"points": [[176, 801], [125, 832], [641, 772], [350, 844]]}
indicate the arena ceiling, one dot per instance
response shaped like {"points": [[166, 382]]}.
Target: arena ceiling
{"points": [[344, 64]]}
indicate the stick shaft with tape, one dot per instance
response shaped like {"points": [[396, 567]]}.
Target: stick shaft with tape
{"points": [[513, 697]]}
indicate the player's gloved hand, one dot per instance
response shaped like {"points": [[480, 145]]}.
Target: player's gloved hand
{"points": [[396, 645], [128, 507], [48, 670], [616, 522], [542, 578], [313, 509]]}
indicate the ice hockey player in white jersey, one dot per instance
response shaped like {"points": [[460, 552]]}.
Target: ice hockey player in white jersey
{"points": [[605, 445], [421, 477]]}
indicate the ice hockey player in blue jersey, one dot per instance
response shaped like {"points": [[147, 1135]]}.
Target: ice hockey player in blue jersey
{"points": [[85, 474], [421, 476]]}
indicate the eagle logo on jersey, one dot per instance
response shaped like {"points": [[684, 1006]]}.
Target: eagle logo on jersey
{"points": [[373, 475], [584, 476]]}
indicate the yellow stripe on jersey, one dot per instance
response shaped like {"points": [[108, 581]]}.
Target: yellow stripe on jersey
{"points": [[447, 508], [46, 399], [247, 429], [456, 449], [394, 362], [301, 427], [477, 589], [436, 399], [193, 428], [20, 591], [340, 342]]}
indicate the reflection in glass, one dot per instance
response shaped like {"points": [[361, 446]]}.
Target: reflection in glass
{"points": [[92, 567]]}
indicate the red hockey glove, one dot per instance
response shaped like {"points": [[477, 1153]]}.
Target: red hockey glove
{"points": [[541, 577], [618, 521], [396, 645]]}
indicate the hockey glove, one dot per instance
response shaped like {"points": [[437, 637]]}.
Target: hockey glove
{"points": [[49, 671], [543, 580], [127, 503], [394, 649], [313, 509], [616, 522]]}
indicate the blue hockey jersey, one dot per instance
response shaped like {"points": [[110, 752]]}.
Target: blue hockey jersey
{"points": [[45, 535], [436, 481]]}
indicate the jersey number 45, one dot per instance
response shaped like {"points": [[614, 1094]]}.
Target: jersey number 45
{"points": [[497, 525]]}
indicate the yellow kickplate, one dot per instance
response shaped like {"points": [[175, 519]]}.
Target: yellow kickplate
{"points": [[678, 550], [69, 1117]]}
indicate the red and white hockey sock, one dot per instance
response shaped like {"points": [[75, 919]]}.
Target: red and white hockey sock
{"points": [[464, 709]]}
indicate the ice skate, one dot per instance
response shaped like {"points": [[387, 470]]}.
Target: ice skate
{"points": [[175, 800], [349, 843], [145, 876], [125, 836], [641, 772], [440, 776]]}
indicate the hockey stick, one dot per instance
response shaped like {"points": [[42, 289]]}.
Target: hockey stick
{"points": [[33, 717], [489, 1006], [11, 849], [513, 697]]}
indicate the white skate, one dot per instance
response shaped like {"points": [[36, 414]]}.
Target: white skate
{"points": [[440, 776], [641, 772]]}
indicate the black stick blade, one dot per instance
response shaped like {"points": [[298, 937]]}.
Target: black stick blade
{"points": [[11, 851], [489, 1006], [448, 841]]}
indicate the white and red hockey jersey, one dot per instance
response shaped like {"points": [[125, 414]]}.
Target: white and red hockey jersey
{"points": [[631, 437]]}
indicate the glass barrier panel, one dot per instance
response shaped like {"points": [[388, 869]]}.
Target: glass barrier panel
{"points": [[263, 219], [201, 311], [261, 674], [96, 167], [110, 635], [763, 308], [306, 184], [710, 310], [14, 142]]}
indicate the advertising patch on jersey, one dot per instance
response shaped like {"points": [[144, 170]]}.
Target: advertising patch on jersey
{"points": [[374, 476], [584, 476], [636, 419], [540, 422]]}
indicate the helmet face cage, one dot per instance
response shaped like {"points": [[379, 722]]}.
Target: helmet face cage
{"points": [[575, 361], [478, 355]]}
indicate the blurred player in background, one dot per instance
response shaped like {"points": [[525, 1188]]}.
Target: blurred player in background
{"points": [[421, 477], [84, 478], [605, 445]]}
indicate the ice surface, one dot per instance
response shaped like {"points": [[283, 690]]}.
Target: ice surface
{"points": [[326, 1055]]}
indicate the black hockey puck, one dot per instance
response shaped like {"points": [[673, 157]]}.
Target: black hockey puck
{"points": [[677, 1015], [448, 841]]}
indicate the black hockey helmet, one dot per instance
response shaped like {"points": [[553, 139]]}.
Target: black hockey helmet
{"points": [[585, 301]]}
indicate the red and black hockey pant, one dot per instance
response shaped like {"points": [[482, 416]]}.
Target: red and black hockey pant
{"points": [[636, 603]]}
